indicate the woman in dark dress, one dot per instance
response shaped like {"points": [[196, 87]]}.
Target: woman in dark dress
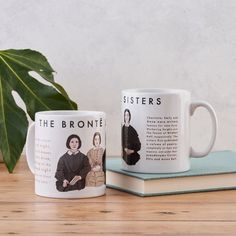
{"points": [[72, 167], [130, 141]]}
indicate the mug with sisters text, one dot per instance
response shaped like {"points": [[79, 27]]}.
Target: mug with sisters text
{"points": [[65, 151], [155, 130]]}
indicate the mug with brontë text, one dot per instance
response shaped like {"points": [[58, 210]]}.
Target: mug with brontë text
{"points": [[65, 150], [156, 130]]}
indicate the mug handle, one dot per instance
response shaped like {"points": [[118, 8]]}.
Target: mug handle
{"points": [[30, 140], [193, 106]]}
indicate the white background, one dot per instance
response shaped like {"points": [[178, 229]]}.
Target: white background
{"points": [[99, 47]]}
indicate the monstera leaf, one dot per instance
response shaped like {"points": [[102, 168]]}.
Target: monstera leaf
{"points": [[15, 66]]}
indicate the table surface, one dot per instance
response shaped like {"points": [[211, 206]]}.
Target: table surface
{"points": [[116, 213]]}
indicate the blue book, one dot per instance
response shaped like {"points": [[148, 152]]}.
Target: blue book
{"points": [[216, 171]]}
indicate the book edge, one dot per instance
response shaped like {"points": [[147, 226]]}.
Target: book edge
{"points": [[170, 193]]}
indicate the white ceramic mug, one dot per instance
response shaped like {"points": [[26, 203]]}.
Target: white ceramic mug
{"points": [[156, 130], [66, 152]]}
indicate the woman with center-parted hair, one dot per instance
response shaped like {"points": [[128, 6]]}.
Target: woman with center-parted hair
{"points": [[72, 167], [96, 177], [130, 141]]}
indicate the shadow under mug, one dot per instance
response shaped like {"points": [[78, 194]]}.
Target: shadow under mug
{"points": [[65, 151], [156, 130]]}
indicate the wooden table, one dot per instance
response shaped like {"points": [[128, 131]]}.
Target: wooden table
{"points": [[116, 213]]}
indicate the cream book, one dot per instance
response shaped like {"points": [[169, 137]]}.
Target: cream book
{"points": [[216, 171]]}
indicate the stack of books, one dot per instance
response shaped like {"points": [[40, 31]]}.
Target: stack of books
{"points": [[216, 171]]}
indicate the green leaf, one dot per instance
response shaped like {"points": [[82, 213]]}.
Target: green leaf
{"points": [[15, 66]]}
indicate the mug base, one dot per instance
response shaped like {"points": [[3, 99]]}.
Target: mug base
{"points": [[155, 171], [88, 192]]}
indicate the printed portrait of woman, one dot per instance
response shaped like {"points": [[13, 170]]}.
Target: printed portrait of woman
{"points": [[72, 167], [96, 176], [130, 141]]}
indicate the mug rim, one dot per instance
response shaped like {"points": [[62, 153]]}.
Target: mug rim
{"points": [[156, 91], [70, 113]]}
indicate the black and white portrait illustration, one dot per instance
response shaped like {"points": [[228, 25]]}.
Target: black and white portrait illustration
{"points": [[130, 141]]}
